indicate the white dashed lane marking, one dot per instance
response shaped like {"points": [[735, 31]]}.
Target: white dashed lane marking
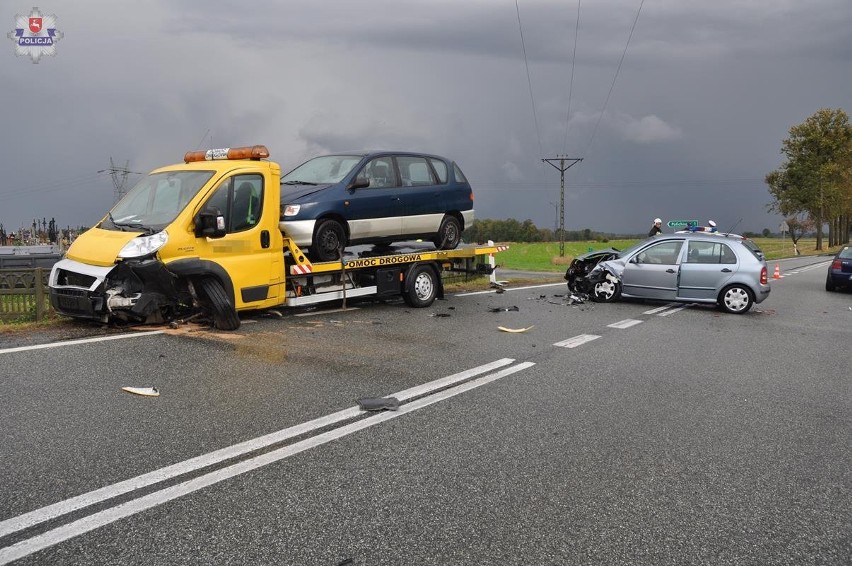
{"points": [[577, 341], [660, 309], [667, 313], [627, 323]]}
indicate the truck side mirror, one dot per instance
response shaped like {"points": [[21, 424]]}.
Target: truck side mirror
{"points": [[210, 224]]}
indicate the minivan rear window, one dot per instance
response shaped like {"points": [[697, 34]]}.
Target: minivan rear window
{"points": [[440, 169], [460, 178]]}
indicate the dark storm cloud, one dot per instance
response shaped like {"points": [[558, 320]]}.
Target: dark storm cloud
{"points": [[705, 95]]}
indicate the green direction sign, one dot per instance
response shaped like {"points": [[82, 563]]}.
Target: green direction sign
{"points": [[678, 223]]}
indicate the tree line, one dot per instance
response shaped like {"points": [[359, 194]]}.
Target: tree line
{"points": [[512, 230], [813, 186]]}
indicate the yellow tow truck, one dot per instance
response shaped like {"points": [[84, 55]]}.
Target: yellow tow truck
{"points": [[204, 236]]}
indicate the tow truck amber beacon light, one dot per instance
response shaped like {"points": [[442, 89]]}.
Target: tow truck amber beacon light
{"points": [[248, 152]]}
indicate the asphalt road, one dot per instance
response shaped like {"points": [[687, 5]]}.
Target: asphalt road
{"points": [[688, 437]]}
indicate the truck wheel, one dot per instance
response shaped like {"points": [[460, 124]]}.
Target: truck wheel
{"points": [[422, 287], [329, 238], [449, 234], [736, 299], [224, 314]]}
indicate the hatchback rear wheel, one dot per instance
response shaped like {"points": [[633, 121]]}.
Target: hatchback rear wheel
{"points": [[736, 299]]}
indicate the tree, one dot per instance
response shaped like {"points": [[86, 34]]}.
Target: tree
{"points": [[815, 178], [798, 227], [766, 232]]}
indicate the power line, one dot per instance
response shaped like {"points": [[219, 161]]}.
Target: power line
{"points": [[571, 83], [50, 187], [637, 184], [529, 81], [617, 70]]}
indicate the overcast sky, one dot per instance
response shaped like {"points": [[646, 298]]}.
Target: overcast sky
{"points": [[705, 95]]}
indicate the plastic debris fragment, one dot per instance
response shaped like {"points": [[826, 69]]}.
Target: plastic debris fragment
{"points": [[145, 391], [513, 330], [504, 309]]}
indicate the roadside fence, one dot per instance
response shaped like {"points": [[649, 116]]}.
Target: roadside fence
{"points": [[23, 294]]}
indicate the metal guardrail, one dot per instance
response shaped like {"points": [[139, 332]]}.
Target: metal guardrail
{"points": [[23, 293]]}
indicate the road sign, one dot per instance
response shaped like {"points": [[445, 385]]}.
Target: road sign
{"points": [[783, 227], [678, 223]]}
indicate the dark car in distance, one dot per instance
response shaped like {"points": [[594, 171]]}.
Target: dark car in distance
{"points": [[840, 271], [333, 201]]}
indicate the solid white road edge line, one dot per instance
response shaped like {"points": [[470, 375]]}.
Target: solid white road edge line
{"points": [[107, 516], [60, 508], [80, 341]]}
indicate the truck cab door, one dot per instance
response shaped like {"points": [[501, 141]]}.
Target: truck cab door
{"points": [[251, 250]]}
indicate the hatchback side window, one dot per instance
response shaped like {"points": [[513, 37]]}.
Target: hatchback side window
{"points": [[710, 252], [665, 253], [727, 255], [440, 170], [702, 252], [380, 172], [414, 171]]}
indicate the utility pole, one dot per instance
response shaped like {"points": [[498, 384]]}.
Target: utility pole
{"points": [[562, 168]]}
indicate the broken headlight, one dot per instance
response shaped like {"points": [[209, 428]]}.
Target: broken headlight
{"points": [[144, 245]]}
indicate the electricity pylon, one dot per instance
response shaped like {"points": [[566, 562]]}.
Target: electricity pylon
{"points": [[119, 177]]}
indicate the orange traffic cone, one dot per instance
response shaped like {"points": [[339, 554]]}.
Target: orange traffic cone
{"points": [[777, 274]]}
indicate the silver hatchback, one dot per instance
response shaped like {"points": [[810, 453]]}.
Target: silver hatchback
{"points": [[698, 267]]}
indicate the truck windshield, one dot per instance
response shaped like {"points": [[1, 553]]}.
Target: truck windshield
{"points": [[324, 170], [155, 201]]}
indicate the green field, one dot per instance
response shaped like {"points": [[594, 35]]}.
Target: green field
{"points": [[544, 256]]}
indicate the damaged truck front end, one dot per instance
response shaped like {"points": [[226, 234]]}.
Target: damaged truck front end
{"points": [[133, 291]]}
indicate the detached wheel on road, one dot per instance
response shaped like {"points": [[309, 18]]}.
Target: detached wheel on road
{"points": [[421, 287], [736, 299], [224, 314], [606, 291], [329, 238], [449, 234]]}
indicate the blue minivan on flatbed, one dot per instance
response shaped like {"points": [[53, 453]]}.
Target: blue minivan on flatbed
{"points": [[378, 197]]}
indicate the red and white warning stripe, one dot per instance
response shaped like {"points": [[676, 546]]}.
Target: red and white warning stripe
{"points": [[303, 269]]}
